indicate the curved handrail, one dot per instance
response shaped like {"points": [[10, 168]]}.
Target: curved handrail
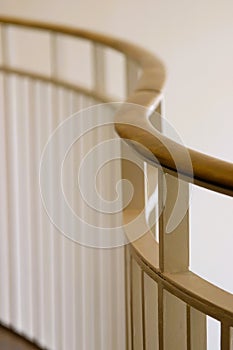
{"points": [[60, 82], [149, 62], [207, 171], [187, 286]]}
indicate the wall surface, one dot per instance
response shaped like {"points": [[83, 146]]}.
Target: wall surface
{"points": [[194, 38]]}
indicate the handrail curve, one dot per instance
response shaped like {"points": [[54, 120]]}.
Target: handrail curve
{"points": [[186, 285], [208, 171]]}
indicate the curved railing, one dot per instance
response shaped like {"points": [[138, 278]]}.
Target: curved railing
{"points": [[166, 304]]}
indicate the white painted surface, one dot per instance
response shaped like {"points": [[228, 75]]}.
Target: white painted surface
{"points": [[64, 295]]}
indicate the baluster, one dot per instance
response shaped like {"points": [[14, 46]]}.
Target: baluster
{"points": [[130, 171], [132, 76], [46, 125], [174, 246], [151, 337], [128, 292], [159, 125], [50, 269], [160, 316], [143, 309], [77, 153], [99, 259], [99, 68], [152, 175], [226, 337], [196, 329], [10, 116], [133, 282], [5, 269], [25, 151], [174, 323], [134, 278], [137, 307], [231, 338], [64, 245], [58, 246], [5, 45], [54, 64], [37, 244], [174, 257]]}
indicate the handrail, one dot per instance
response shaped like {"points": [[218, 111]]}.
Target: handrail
{"points": [[207, 171], [146, 60], [189, 287], [62, 83]]}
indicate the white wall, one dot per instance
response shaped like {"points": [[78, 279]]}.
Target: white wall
{"points": [[194, 38]]}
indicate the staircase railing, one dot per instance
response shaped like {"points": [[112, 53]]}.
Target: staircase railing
{"points": [[166, 303]]}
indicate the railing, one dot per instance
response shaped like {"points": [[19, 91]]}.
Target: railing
{"points": [[166, 304]]}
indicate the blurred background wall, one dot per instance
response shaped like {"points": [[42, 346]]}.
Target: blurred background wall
{"points": [[194, 39]]}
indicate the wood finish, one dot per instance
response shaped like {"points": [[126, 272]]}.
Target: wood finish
{"points": [[58, 82], [188, 286], [174, 245], [197, 329], [207, 171]]}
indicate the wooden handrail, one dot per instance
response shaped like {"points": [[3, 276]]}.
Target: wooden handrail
{"points": [[187, 286], [146, 60], [207, 171], [56, 81]]}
